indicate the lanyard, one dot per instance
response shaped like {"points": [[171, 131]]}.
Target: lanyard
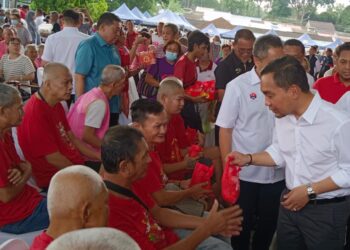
{"points": [[124, 191]]}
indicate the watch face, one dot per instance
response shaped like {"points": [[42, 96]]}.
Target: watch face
{"points": [[312, 196]]}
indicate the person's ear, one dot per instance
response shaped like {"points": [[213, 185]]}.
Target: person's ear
{"points": [[123, 168], [136, 125], [85, 213], [294, 91]]}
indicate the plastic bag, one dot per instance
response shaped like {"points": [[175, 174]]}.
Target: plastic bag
{"points": [[194, 150], [206, 89], [203, 171], [230, 188]]}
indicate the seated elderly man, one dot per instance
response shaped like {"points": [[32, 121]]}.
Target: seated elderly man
{"points": [[95, 238], [89, 117], [22, 208], [45, 137], [77, 199], [125, 159]]}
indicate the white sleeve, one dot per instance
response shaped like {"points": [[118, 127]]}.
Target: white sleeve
{"points": [[48, 54], [344, 103], [342, 145], [274, 151], [230, 106], [95, 114]]}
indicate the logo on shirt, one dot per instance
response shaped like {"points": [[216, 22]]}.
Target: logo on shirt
{"points": [[238, 70], [253, 96]]}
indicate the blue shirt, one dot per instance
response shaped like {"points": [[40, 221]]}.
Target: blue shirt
{"points": [[92, 55]]}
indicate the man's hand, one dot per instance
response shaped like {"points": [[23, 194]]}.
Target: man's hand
{"points": [[199, 99], [197, 191], [226, 222], [201, 139], [191, 161], [296, 199], [238, 158], [15, 176]]}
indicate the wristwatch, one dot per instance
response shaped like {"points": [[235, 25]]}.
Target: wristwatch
{"points": [[311, 192]]}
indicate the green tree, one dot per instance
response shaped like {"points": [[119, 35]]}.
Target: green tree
{"points": [[344, 19], [95, 7], [214, 4], [307, 7], [175, 6], [279, 8]]}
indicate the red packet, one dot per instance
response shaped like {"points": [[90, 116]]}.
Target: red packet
{"points": [[147, 58], [194, 150], [203, 173], [230, 188]]}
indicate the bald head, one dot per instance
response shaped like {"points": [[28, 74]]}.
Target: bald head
{"points": [[95, 238], [111, 74], [54, 70], [168, 86], [73, 188]]}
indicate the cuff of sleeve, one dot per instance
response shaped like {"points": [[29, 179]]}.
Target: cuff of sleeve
{"points": [[279, 161], [341, 179]]}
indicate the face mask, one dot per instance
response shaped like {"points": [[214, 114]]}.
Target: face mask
{"points": [[14, 22], [217, 43], [170, 56]]}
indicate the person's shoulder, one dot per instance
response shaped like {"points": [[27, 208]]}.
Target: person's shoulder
{"points": [[240, 81]]}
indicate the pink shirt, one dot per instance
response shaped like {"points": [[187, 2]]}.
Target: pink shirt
{"points": [[3, 48]]}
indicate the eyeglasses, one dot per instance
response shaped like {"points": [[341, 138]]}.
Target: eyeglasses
{"points": [[17, 44]]}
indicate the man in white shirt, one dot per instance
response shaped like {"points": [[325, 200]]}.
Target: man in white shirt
{"points": [[61, 46], [246, 125], [293, 47], [344, 102], [39, 19], [312, 141]]}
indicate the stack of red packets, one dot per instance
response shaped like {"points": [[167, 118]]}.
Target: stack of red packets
{"points": [[230, 188]]}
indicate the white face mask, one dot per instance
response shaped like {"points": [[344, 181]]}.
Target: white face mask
{"points": [[217, 43]]}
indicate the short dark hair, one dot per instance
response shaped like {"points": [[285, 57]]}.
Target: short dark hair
{"points": [[297, 43], [174, 28], [225, 46], [141, 108], [120, 143], [244, 34], [197, 37], [341, 48], [287, 71], [264, 43], [71, 16], [107, 18]]}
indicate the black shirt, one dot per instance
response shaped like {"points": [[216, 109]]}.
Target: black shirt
{"points": [[229, 69], [56, 28]]}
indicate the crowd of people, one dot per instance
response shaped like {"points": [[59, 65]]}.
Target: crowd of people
{"points": [[72, 169]]}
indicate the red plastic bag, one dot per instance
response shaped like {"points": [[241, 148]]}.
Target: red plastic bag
{"points": [[206, 89], [202, 173], [147, 58], [194, 150], [230, 188]]}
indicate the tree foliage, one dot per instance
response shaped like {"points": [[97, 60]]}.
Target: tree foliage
{"points": [[95, 7], [280, 8]]}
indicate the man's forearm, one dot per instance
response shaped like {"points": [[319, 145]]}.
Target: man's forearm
{"points": [[192, 241], [173, 167], [90, 137], [168, 198], [326, 185], [79, 85], [225, 142], [58, 160]]}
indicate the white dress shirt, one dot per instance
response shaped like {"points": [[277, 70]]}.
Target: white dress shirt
{"points": [[61, 47], [344, 102], [314, 147], [243, 109]]}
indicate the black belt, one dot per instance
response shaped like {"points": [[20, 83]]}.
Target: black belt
{"points": [[327, 201]]}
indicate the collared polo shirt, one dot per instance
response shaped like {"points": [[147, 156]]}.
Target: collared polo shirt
{"points": [[62, 46], [229, 69], [243, 109], [314, 147], [344, 102], [92, 55], [331, 88]]}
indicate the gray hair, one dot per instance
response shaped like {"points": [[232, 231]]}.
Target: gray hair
{"points": [[94, 239], [28, 46], [7, 95], [69, 186], [264, 43], [111, 74]]}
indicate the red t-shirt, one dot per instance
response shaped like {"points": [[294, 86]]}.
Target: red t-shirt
{"points": [[130, 216], [130, 38], [41, 242], [186, 71], [26, 201], [330, 88], [175, 140], [43, 132], [155, 178]]}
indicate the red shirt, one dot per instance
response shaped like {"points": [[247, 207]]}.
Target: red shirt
{"points": [[175, 140], [43, 132], [130, 39], [131, 217], [23, 205], [186, 71], [41, 242], [330, 88], [155, 178]]}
